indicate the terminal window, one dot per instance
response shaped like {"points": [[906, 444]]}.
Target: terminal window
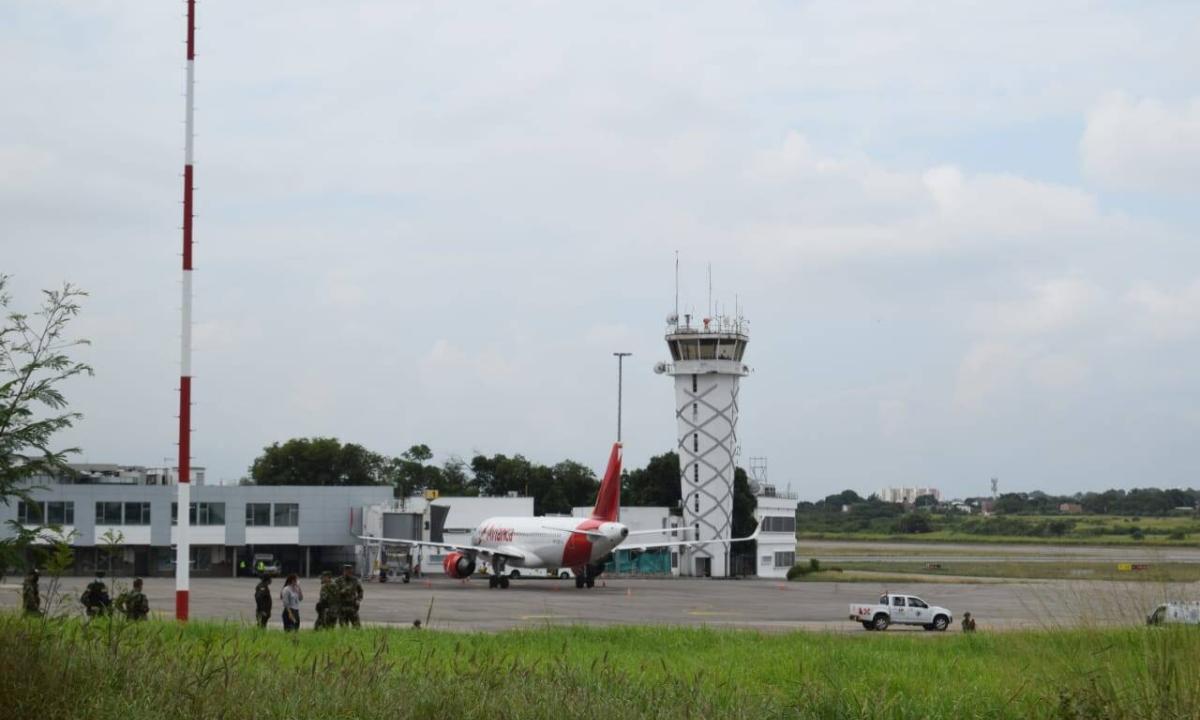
{"points": [[785, 559], [108, 513], [258, 514], [287, 514], [60, 513], [201, 513], [779, 524], [137, 513], [30, 513]]}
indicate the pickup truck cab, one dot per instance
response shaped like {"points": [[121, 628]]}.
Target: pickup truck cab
{"points": [[1185, 613], [898, 609]]}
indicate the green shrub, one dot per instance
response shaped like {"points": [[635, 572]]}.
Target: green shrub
{"points": [[796, 572]]}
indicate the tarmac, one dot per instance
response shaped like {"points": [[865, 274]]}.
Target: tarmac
{"points": [[765, 605]]}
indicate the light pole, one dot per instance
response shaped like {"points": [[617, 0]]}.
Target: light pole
{"points": [[620, 366]]}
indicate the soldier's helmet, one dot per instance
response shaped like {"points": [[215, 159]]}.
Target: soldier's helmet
{"points": [[99, 573], [265, 578], [326, 575]]}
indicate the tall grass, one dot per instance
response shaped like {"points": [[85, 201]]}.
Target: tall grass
{"points": [[112, 669]]}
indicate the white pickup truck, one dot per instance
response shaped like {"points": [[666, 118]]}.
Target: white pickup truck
{"points": [[1185, 613], [896, 609]]}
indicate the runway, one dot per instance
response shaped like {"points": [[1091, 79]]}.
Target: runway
{"points": [[755, 604]]}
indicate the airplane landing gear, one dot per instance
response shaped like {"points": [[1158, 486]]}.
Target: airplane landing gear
{"points": [[498, 578]]}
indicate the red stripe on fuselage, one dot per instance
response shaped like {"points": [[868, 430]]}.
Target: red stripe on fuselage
{"points": [[577, 551]]}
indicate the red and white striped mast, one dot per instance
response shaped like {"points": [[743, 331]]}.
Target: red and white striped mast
{"points": [[184, 486]]}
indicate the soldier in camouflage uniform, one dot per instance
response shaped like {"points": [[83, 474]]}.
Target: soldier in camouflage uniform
{"points": [[133, 604], [95, 597], [327, 604], [262, 600], [31, 598], [349, 594]]}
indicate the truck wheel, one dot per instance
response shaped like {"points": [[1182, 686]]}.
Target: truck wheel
{"points": [[867, 625], [881, 622], [940, 623], [407, 577], [515, 573], [564, 575]]}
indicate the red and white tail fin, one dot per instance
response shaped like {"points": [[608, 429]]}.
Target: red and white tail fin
{"points": [[608, 500]]}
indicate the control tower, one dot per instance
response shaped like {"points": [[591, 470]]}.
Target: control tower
{"points": [[706, 362]]}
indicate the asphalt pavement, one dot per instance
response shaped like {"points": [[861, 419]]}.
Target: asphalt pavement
{"points": [[758, 604]]}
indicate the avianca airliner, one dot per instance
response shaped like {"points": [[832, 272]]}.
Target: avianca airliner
{"points": [[551, 542]]}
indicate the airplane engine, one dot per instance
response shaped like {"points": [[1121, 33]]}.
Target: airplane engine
{"points": [[459, 565]]}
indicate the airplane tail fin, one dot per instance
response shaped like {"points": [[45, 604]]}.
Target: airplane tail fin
{"points": [[608, 500]]}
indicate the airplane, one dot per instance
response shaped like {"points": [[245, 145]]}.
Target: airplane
{"points": [[551, 542]]}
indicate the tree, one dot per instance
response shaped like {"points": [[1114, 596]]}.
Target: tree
{"points": [[916, 522], [656, 485], [318, 461], [925, 501], [744, 504], [33, 365]]}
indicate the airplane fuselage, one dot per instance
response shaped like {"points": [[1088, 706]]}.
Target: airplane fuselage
{"points": [[549, 542]]}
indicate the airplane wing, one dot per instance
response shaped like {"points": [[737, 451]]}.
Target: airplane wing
{"points": [[661, 531], [507, 552], [689, 543]]}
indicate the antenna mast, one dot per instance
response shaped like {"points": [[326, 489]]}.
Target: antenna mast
{"points": [[676, 286], [710, 289], [183, 487]]}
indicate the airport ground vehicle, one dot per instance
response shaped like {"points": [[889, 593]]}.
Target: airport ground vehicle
{"points": [[1171, 613], [900, 609]]}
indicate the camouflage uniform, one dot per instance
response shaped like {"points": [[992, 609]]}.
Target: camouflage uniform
{"points": [[262, 601], [327, 605], [134, 604], [349, 596], [95, 598], [31, 598]]}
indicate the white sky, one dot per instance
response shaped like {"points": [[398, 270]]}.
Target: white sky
{"points": [[964, 233]]}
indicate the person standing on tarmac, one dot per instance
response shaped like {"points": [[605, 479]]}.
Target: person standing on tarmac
{"points": [[134, 604], [95, 597], [262, 600], [31, 597], [349, 597], [290, 596], [326, 603]]}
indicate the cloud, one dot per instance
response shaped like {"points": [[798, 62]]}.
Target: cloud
{"points": [[1143, 145], [1167, 315]]}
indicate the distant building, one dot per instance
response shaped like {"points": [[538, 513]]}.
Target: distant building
{"points": [[1070, 508], [908, 495], [112, 474]]}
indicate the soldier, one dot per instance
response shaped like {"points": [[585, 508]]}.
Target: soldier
{"points": [[134, 604], [262, 600], [95, 597], [327, 603], [350, 594], [31, 598], [968, 623]]}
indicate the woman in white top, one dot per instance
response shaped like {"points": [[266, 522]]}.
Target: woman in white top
{"points": [[291, 595]]}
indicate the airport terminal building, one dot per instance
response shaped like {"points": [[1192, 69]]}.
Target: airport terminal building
{"points": [[122, 519]]}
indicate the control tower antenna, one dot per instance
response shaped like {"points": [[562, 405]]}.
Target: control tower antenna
{"points": [[677, 284]]}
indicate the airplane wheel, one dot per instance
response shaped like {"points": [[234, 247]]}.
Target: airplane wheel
{"points": [[579, 582], [591, 583], [503, 583], [491, 582]]}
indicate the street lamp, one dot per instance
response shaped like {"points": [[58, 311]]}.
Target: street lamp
{"points": [[620, 367]]}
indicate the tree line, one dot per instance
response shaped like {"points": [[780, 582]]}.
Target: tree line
{"points": [[554, 488]]}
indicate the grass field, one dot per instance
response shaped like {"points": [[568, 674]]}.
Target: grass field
{"points": [[65, 669], [1014, 569], [1084, 530]]}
